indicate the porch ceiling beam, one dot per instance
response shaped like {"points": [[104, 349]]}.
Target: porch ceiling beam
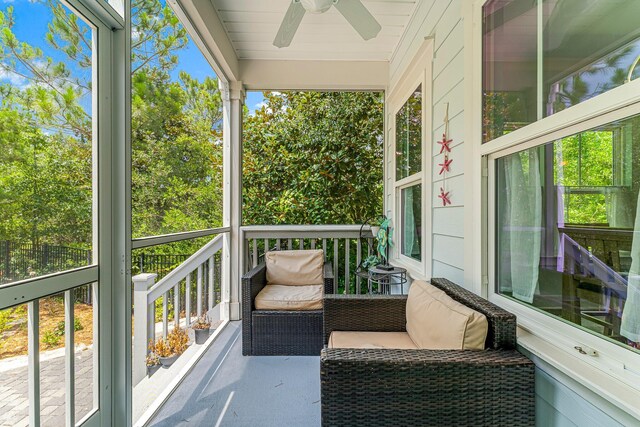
{"points": [[314, 75], [205, 28]]}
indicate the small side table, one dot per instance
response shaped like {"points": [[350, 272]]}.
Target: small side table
{"points": [[380, 281]]}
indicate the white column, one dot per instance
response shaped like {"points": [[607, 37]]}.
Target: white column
{"points": [[141, 316], [233, 100]]}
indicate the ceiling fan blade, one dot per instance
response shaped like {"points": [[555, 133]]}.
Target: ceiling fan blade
{"points": [[289, 24], [359, 18]]}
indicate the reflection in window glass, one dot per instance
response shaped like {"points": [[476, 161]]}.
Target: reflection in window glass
{"points": [[411, 211], [588, 49], [584, 50], [409, 136], [567, 220], [46, 122], [509, 66]]}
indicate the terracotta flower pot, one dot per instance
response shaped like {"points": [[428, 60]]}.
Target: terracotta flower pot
{"points": [[168, 361], [202, 335]]}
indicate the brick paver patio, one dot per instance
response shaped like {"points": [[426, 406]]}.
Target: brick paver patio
{"points": [[14, 393]]}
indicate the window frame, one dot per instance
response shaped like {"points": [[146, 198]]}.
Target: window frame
{"points": [[609, 375], [418, 73]]}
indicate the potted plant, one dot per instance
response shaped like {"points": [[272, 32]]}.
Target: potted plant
{"points": [[201, 328], [153, 361], [170, 348]]}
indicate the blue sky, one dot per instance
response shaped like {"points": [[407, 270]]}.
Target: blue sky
{"points": [[31, 26]]}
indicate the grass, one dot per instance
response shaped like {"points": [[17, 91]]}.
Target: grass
{"points": [[13, 327]]}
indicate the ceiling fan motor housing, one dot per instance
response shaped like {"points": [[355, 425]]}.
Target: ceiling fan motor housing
{"points": [[316, 6]]}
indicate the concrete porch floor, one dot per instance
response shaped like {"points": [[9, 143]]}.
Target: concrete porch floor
{"points": [[228, 389]]}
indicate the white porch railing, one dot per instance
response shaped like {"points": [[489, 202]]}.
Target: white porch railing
{"points": [[177, 286], [344, 246]]}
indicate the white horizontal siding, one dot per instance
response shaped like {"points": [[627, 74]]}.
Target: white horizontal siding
{"points": [[454, 274], [449, 250], [442, 20]]}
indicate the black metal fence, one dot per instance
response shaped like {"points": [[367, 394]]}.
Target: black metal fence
{"points": [[19, 261], [159, 264]]}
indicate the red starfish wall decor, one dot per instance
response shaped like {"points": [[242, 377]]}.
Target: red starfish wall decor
{"points": [[445, 143], [444, 196], [446, 165]]}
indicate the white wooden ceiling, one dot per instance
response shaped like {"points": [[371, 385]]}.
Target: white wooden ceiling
{"points": [[251, 26]]}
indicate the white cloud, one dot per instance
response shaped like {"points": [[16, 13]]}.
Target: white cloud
{"points": [[11, 77]]}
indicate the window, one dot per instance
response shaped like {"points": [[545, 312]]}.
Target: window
{"points": [[541, 57], [408, 128], [567, 253], [409, 136], [564, 196], [411, 220]]}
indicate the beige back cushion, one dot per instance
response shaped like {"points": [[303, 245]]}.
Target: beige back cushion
{"points": [[295, 268], [438, 322]]}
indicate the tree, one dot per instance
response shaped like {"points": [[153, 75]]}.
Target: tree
{"points": [[314, 158], [46, 131]]}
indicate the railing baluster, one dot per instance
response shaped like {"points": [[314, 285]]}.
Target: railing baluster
{"points": [[199, 290], [176, 305], [266, 246], [187, 301], [324, 249], [358, 259], [336, 261], [347, 283], [301, 241], [290, 243], [255, 252], [313, 243], [211, 290], [69, 359], [278, 243], [165, 314], [33, 328]]}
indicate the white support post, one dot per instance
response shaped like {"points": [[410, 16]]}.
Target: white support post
{"points": [[33, 332], [70, 369], [233, 100], [141, 310]]}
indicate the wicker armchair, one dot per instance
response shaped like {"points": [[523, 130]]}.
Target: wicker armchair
{"points": [[278, 332], [383, 387]]}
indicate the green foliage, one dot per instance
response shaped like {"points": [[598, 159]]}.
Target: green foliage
{"points": [[313, 158], [51, 338], [46, 132]]}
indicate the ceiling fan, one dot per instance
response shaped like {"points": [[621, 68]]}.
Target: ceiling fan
{"points": [[353, 10]]}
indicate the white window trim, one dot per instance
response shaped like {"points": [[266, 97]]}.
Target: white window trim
{"points": [[612, 374], [419, 72]]}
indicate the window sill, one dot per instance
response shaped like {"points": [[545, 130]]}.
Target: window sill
{"points": [[612, 396]]}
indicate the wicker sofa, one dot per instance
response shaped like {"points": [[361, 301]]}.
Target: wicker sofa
{"points": [[279, 332], [383, 387]]}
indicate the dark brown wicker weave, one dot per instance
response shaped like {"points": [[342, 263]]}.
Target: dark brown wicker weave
{"points": [[278, 332], [380, 387]]}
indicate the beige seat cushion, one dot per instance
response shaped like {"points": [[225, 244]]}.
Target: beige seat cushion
{"points": [[283, 297], [296, 268], [437, 321], [348, 339]]}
